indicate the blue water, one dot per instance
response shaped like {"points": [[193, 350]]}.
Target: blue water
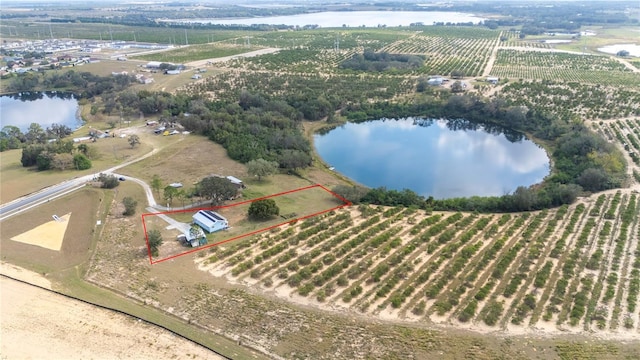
{"points": [[44, 108], [349, 19], [433, 160]]}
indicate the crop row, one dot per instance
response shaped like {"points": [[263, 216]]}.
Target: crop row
{"points": [[571, 100], [572, 266]]}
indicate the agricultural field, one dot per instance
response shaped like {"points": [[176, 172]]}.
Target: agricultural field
{"points": [[228, 85], [573, 268], [574, 100], [586, 69], [445, 50], [447, 54], [627, 134]]}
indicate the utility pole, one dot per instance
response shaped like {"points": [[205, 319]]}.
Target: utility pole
{"points": [[186, 39], [50, 32]]}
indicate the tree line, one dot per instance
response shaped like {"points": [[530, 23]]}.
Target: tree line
{"points": [[582, 160]]}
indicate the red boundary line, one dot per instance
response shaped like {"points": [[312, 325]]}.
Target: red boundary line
{"points": [[151, 261]]}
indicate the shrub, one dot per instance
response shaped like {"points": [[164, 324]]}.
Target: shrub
{"points": [[129, 206], [154, 240], [108, 181], [263, 209], [81, 162]]}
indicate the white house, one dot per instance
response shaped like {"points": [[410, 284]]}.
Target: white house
{"points": [[153, 65], [210, 221], [493, 79], [435, 81]]}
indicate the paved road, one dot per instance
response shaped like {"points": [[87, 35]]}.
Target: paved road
{"points": [[55, 191], [52, 192]]}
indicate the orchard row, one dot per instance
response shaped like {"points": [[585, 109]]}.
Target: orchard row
{"points": [[575, 267]]}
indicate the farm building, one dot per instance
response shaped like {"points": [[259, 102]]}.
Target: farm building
{"points": [[493, 79], [194, 237], [210, 221], [235, 181], [153, 65], [435, 81]]}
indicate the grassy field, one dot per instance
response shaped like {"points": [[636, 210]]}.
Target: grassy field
{"points": [[604, 36], [370, 281], [18, 181], [197, 52]]}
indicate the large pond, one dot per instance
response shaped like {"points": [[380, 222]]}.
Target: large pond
{"points": [[438, 158], [350, 19], [44, 108], [633, 49]]}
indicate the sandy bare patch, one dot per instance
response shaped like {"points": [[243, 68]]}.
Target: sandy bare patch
{"points": [[37, 324], [24, 275], [48, 235]]}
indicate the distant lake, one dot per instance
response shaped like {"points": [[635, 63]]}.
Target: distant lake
{"points": [[438, 158], [350, 19], [44, 108], [633, 49]]}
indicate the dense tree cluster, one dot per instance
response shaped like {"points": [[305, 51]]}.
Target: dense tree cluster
{"points": [[60, 155], [86, 84], [216, 189]]}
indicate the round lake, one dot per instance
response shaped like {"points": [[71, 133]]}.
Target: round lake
{"points": [[439, 158], [44, 108]]}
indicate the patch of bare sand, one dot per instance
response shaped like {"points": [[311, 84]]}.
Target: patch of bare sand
{"points": [[48, 235], [36, 324]]}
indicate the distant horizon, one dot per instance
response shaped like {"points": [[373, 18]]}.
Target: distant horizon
{"points": [[293, 2]]}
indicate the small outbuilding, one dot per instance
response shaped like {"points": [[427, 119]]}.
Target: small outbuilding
{"points": [[435, 81], [235, 181], [493, 80], [210, 221], [195, 237]]}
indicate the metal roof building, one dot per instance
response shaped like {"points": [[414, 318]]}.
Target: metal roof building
{"points": [[210, 221]]}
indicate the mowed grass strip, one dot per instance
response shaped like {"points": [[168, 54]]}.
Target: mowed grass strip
{"points": [[196, 52], [77, 242]]}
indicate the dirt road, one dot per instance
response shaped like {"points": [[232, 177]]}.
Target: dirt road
{"points": [[200, 63]]}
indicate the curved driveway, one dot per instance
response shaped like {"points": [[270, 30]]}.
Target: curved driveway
{"points": [[55, 191]]}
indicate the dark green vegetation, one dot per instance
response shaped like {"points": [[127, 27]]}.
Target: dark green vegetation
{"points": [[59, 155], [263, 209], [216, 189], [154, 239], [130, 205], [108, 181]]}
